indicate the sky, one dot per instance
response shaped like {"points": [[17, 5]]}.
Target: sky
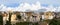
{"points": [[15, 3], [23, 5]]}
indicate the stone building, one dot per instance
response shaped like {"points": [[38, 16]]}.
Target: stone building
{"points": [[48, 15]]}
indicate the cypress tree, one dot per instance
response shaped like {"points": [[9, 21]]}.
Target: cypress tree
{"points": [[1, 19], [9, 22]]}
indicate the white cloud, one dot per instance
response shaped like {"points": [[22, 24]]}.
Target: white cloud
{"points": [[36, 6], [25, 6], [51, 8], [57, 9], [2, 7]]}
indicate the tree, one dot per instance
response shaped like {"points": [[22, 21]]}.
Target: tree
{"points": [[55, 22], [9, 22], [1, 20]]}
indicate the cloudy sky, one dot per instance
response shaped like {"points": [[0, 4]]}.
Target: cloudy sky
{"points": [[30, 4], [15, 3]]}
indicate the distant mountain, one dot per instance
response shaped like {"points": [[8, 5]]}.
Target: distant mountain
{"points": [[41, 10]]}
